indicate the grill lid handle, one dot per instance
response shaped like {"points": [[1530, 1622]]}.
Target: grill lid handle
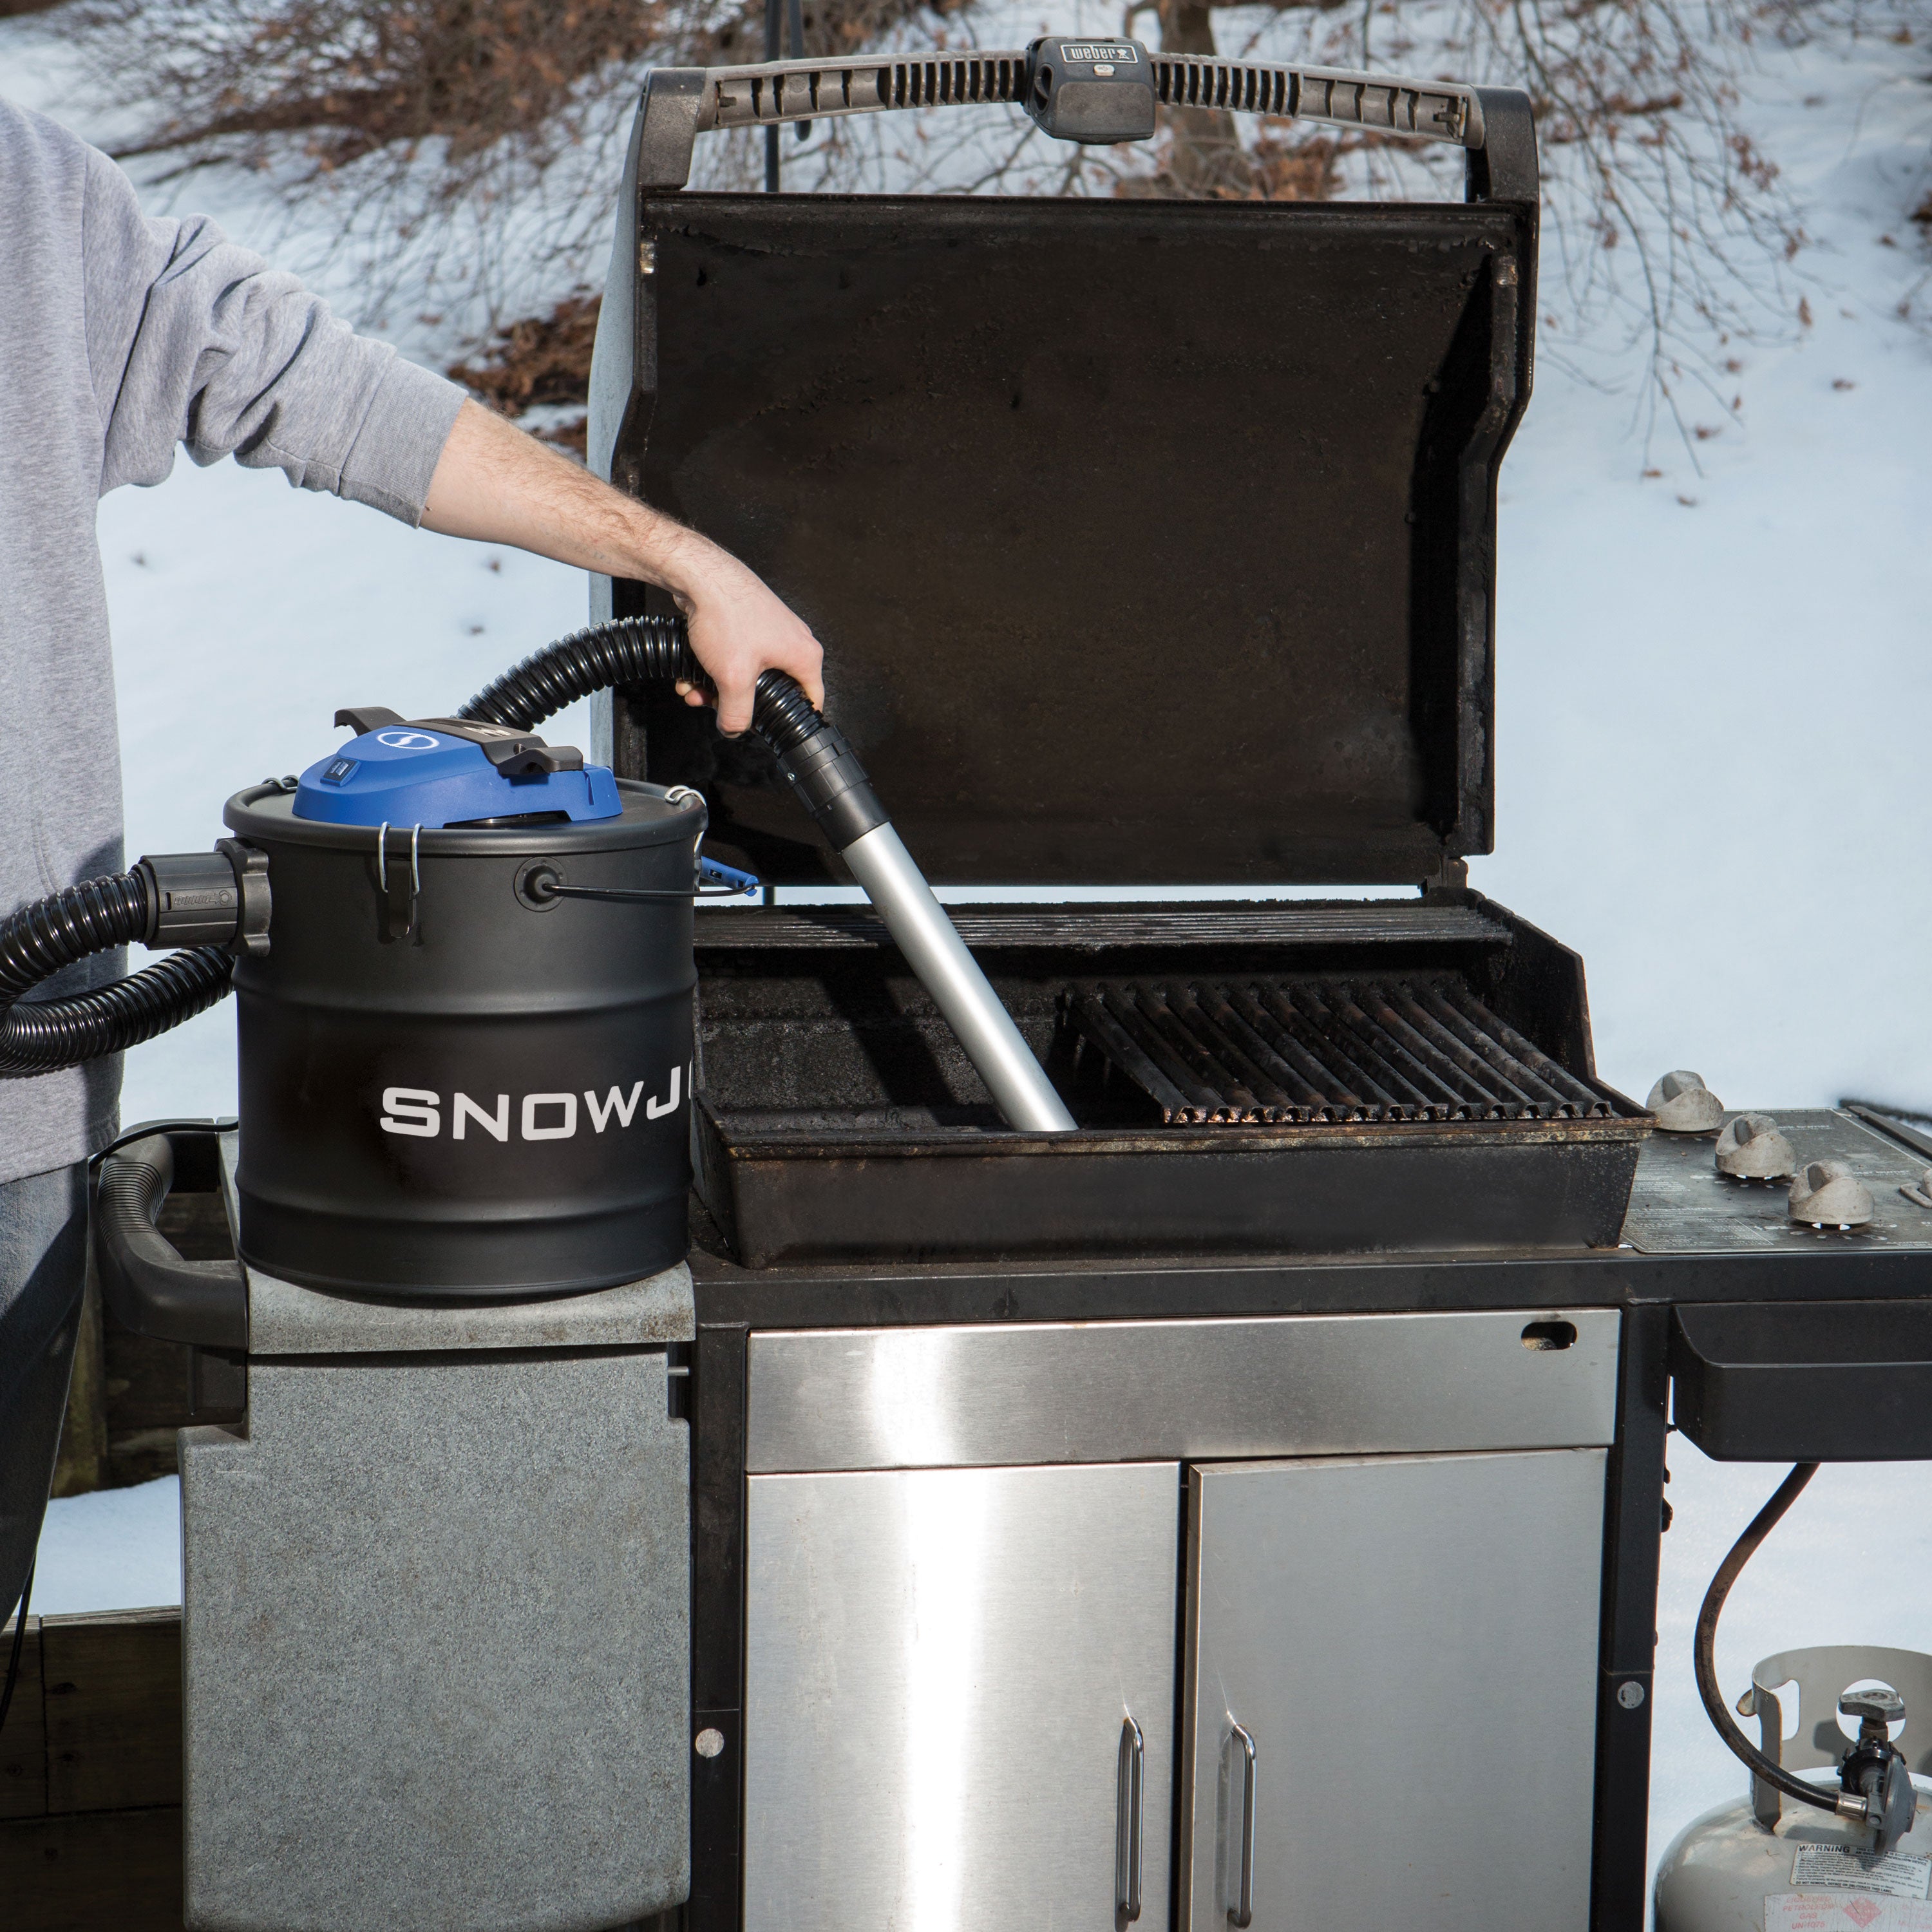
{"points": [[1090, 91]]}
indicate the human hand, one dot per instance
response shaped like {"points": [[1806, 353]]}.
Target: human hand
{"points": [[739, 628], [496, 485]]}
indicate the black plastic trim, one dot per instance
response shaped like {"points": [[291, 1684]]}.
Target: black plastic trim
{"points": [[1805, 1381], [1633, 1527], [146, 1285], [1505, 167]]}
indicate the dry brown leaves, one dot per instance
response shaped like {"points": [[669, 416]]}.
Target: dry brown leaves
{"points": [[542, 362]]}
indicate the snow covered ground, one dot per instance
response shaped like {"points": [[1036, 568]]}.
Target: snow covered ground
{"points": [[1713, 686], [116, 1549], [1712, 689]]}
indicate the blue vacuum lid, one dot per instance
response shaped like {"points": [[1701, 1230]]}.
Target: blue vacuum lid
{"points": [[438, 771]]}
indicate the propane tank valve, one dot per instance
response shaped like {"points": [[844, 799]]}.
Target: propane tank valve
{"points": [[1875, 1780]]}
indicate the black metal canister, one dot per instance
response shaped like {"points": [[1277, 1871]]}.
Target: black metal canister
{"points": [[456, 1082]]}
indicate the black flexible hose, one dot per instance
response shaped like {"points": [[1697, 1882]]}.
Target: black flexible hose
{"points": [[94, 916], [632, 650], [1742, 1551], [817, 761]]}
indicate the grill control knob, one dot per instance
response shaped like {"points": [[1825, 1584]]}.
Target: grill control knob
{"points": [[1684, 1104], [1919, 1192], [1828, 1194], [1751, 1147]]}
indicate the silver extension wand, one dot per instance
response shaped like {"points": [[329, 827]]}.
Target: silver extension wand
{"points": [[832, 785]]}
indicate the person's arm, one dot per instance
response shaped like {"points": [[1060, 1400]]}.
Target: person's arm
{"points": [[498, 485], [193, 340]]}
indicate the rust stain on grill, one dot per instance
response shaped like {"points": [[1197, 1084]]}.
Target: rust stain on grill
{"points": [[1340, 1050]]}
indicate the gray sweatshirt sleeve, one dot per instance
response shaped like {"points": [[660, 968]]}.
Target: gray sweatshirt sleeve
{"points": [[192, 340]]}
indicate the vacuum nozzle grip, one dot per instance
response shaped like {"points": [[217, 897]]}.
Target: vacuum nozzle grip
{"points": [[818, 764]]}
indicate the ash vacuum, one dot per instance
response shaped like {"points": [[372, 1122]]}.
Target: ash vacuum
{"points": [[462, 965], [436, 1531], [466, 1053]]}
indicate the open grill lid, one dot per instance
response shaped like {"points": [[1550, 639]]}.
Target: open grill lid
{"points": [[1150, 542]]}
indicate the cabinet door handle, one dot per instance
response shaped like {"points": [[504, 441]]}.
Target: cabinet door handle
{"points": [[1242, 1912], [1127, 1825]]}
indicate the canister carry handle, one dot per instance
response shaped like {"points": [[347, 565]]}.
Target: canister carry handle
{"points": [[146, 1283], [542, 884]]}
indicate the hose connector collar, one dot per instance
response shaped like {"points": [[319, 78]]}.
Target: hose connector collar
{"points": [[208, 898]]}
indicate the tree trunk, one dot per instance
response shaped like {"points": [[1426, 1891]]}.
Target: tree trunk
{"points": [[1206, 153]]}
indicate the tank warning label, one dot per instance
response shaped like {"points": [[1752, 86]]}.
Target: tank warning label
{"points": [[1832, 1868], [1815, 1912]]}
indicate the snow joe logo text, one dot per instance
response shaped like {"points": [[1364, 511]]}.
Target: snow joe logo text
{"points": [[418, 1111]]}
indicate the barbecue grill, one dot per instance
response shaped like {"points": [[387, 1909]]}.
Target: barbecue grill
{"points": [[1152, 545], [1090, 1515]]}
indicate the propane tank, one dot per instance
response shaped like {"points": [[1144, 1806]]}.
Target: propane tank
{"points": [[1772, 1865]]}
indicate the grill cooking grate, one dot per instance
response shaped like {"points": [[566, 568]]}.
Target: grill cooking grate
{"points": [[1414, 1049]]}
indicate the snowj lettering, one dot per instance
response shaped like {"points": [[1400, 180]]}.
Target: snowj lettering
{"points": [[419, 1111]]}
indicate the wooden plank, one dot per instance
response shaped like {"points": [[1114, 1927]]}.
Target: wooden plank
{"points": [[97, 1871], [23, 1742], [111, 1684]]}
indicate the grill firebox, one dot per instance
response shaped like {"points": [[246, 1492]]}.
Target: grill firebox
{"points": [[1247, 1080], [1325, 1049]]}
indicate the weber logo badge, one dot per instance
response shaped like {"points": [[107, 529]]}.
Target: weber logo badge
{"points": [[1112, 53], [419, 1111]]}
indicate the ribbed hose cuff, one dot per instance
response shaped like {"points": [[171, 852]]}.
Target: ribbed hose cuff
{"points": [[95, 917]]}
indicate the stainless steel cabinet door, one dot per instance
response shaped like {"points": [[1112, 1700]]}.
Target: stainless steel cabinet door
{"points": [[1390, 1688], [959, 1699]]}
